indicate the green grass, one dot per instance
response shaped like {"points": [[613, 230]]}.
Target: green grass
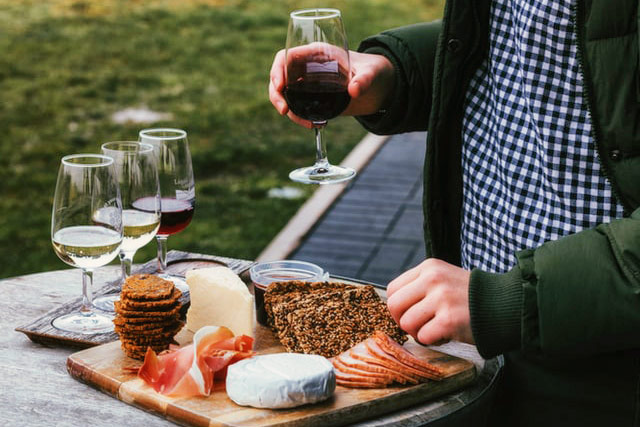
{"points": [[67, 66]]}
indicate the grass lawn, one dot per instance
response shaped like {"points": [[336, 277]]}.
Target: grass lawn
{"points": [[68, 65]]}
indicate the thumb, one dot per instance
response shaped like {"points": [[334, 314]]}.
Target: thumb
{"points": [[359, 84]]}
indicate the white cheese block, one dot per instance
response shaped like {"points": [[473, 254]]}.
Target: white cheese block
{"points": [[280, 380], [219, 297]]}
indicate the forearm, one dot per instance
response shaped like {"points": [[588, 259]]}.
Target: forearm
{"points": [[579, 295], [412, 51]]}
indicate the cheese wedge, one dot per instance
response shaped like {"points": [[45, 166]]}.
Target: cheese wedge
{"points": [[219, 297]]}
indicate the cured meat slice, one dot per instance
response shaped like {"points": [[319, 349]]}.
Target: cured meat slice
{"points": [[361, 352], [356, 384], [347, 359], [380, 355], [192, 369], [343, 377], [337, 364], [403, 355], [379, 361]]}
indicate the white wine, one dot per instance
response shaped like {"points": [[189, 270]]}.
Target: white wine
{"points": [[139, 228], [87, 246]]}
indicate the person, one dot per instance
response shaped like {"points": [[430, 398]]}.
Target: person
{"points": [[531, 194]]}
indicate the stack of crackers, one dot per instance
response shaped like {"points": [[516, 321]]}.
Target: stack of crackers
{"points": [[147, 315]]}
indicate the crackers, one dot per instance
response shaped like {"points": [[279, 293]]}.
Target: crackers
{"points": [[147, 315], [326, 318]]}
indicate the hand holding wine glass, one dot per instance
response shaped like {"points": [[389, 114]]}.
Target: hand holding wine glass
{"points": [[317, 73], [86, 184], [177, 189], [137, 175], [371, 85]]}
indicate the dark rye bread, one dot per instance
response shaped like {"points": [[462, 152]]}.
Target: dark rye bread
{"points": [[328, 318]]}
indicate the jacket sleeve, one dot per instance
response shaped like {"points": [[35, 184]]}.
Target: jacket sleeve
{"points": [[412, 51], [576, 296]]}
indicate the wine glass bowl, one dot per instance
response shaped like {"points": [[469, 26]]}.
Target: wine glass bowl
{"points": [[317, 76], [137, 175], [86, 185], [177, 189]]}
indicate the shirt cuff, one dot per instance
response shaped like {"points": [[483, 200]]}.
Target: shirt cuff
{"points": [[495, 305]]}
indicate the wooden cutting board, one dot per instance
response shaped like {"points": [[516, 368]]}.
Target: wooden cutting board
{"points": [[106, 368]]}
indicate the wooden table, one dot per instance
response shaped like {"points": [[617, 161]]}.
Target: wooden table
{"points": [[36, 390]]}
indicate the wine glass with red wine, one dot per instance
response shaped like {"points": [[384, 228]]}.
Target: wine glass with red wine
{"points": [[317, 76], [177, 190]]}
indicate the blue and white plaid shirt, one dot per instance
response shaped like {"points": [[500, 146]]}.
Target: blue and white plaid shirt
{"points": [[531, 172]]}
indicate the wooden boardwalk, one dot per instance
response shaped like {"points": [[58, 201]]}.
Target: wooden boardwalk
{"points": [[373, 230]]}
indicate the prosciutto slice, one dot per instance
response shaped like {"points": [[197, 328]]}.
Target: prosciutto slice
{"points": [[191, 370]]}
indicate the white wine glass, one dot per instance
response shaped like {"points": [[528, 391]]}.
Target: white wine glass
{"points": [[137, 175], [317, 75], [177, 189], [86, 184]]}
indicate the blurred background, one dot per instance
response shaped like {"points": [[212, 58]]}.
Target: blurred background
{"points": [[77, 73]]}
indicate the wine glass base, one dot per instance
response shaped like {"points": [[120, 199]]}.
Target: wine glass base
{"points": [[178, 282], [329, 174], [80, 323], [105, 302]]}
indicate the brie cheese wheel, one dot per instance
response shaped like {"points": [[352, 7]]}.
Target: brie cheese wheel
{"points": [[219, 297], [280, 380]]}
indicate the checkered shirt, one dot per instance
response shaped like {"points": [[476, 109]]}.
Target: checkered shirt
{"points": [[531, 172]]}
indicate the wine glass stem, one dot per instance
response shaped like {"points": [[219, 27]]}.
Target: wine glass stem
{"points": [[162, 253], [322, 163], [126, 259], [87, 296]]}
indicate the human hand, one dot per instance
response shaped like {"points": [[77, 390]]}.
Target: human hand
{"points": [[430, 302], [371, 84]]}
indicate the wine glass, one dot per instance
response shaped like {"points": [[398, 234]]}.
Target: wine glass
{"points": [[177, 189], [317, 76], [137, 175], [86, 184]]}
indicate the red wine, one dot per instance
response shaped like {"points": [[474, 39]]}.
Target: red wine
{"points": [[176, 214], [317, 101]]}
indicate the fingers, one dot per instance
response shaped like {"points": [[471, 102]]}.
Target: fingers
{"points": [[302, 122], [402, 280], [430, 302], [276, 87], [448, 323], [276, 84], [417, 316], [432, 333], [404, 298], [276, 75], [360, 83]]}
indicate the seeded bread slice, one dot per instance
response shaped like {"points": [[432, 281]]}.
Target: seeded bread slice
{"points": [[280, 292], [328, 320]]}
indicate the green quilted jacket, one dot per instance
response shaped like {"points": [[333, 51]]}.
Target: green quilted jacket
{"points": [[567, 316]]}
